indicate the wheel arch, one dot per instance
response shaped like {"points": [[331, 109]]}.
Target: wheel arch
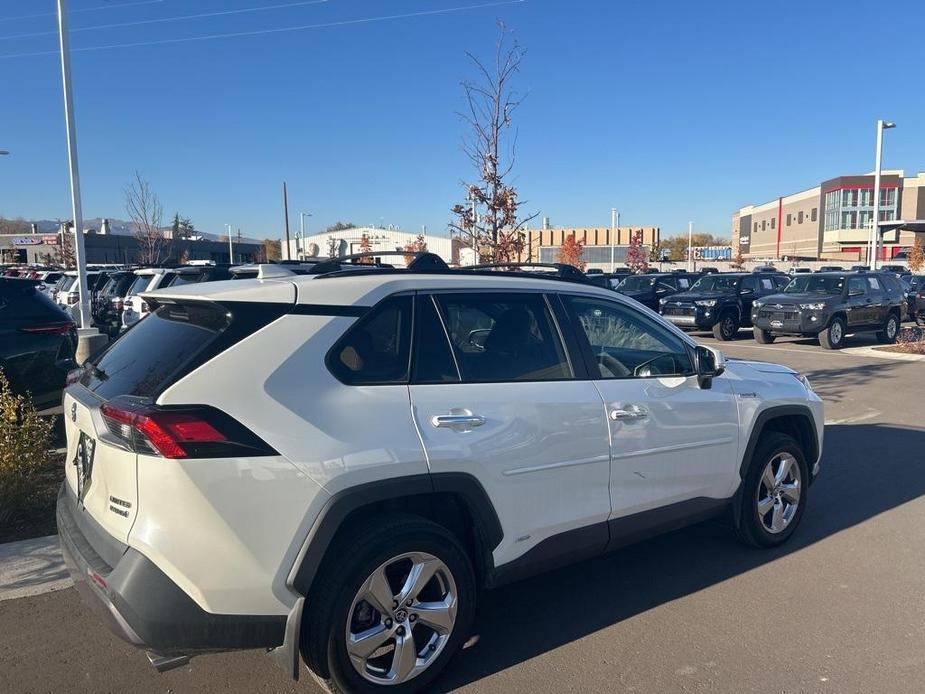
{"points": [[457, 501], [794, 420]]}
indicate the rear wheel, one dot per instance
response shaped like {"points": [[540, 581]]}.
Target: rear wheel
{"points": [[392, 609], [833, 336], [763, 337], [890, 330], [773, 491], [727, 327]]}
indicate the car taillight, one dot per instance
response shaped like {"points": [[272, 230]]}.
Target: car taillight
{"points": [[72, 299], [144, 307], [188, 432], [118, 303], [49, 328]]}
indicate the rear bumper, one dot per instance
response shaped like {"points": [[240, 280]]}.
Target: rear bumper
{"points": [[139, 603]]}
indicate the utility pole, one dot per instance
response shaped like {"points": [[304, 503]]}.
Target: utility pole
{"points": [[89, 338], [286, 215], [230, 247], [690, 246]]}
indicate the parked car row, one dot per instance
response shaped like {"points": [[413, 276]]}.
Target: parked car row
{"points": [[827, 306]]}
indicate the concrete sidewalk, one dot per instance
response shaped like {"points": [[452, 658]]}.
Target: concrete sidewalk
{"points": [[31, 567]]}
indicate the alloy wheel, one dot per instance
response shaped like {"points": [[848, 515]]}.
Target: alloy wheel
{"points": [[729, 327], [891, 328], [401, 618], [835, 333], [779, 492]]}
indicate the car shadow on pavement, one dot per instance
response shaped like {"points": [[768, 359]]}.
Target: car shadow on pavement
{"points": [[835, 384], [867, 470]]}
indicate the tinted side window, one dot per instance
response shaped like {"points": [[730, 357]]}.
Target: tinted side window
{"points": [[856, 286], [433, 360], [626, 344], [377, 349], [874, 284], [749, 283], [504, 337]]}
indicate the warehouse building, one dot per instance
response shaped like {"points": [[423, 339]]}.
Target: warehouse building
{"points": [[831, 221], [387, 240], [601, 244]]}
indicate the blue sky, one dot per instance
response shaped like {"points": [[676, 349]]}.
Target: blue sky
{"points": [[669, 111]]}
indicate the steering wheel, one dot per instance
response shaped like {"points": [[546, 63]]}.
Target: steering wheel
{"points": [[613, 365]]}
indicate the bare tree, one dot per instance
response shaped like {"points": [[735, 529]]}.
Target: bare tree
{"points": [[488, 223], [144, 209]]}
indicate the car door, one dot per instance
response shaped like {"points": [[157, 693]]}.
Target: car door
{"points": [[859, 310], [671, 440], [494, 395], [748, 292], [879, 305]]}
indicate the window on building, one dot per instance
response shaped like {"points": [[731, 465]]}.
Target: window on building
{"points": [[756, 227], [789, 218], [773, 222], [800, 217], [764, 224], [814, 214]]}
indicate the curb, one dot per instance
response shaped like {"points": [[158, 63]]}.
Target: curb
{"points": [[32, 567]]}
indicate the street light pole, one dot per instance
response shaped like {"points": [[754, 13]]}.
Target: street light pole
{"points": [[299, 246], [874, 241], [88, 336], [613, 232], [230, 247], [286, 215]]}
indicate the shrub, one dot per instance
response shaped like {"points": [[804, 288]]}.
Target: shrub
{"points": [[24, 459]]}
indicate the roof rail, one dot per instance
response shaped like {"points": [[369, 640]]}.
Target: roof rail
{"points": [[563, 271], [423, 261]]}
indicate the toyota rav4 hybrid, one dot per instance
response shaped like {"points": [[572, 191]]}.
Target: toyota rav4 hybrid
{"points": [[831, 305], [721, 303], [334, 465]]}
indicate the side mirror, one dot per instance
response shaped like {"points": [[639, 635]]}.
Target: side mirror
{"points": [[710, 363]]}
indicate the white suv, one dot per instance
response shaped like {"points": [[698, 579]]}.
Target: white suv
{"points": [[334, 465], [147, 279]]}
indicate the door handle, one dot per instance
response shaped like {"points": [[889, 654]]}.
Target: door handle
{"points": [[458, 419], [629, 412]]}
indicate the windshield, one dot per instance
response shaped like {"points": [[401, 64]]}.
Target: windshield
{"points": [[636, 283], [185, 278], [139, 285], [67, 283], [716, 283], [816, 284]]}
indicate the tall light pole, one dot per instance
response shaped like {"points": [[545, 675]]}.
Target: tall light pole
{"points": [[874, 241], [614, 225], [88, 337], [286, 215], [690, 246], [230, 247]]}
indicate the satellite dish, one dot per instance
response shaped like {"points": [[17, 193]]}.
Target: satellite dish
{"points": [[313, 250]]}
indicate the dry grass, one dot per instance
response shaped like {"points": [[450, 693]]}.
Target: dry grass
{"points": [[909, 341]]}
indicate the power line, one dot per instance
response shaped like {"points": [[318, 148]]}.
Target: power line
{"points": [[83, 9], [260, 32], [177, 18]]}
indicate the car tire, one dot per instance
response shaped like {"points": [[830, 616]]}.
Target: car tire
{"points": [[771, 505], [890, 330], [727, 327], [386, 548], [763, 337], [833, 335], [919, 319]]}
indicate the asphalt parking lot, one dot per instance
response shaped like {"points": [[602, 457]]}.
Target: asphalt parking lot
{"points": [[838, 609]]}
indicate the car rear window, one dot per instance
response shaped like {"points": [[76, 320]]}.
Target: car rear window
{"points": [[143, 361], [139, 285], [21, 299], [185, 278]]}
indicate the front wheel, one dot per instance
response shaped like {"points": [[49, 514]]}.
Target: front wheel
{"points": [[727, 327], [773, 491], [890, 330], [392, 609], [833, 337], [763, 337]]}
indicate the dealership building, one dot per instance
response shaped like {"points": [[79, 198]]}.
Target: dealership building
{"points": [[602, 245], [830, 221]]}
